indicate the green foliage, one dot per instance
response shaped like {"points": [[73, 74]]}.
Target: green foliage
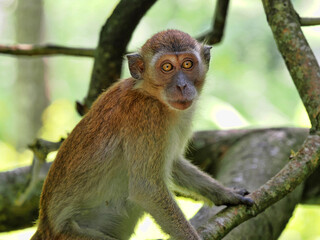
{"points": [[303, 224]]}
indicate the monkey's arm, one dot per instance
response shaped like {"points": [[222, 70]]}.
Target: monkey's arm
{"points": [[156, 199], [148, 190], [189, 177]]}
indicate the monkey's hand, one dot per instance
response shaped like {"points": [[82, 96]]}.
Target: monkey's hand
{"points": [[233, 197]]}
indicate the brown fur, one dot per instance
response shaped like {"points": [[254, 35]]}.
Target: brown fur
{"points": [[169, 41], [94, 132]]}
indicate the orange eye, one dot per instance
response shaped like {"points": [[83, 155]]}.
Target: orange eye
{"points": [[187, 64], [167, 67]]}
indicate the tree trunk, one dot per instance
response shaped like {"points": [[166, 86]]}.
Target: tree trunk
{"points": [[30, 87]]}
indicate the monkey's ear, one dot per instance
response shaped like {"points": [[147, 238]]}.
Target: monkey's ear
{"points": [[206, 53], [136, 65]]}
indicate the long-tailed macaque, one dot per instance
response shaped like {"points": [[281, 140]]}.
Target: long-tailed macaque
{"points": [[125, 156]]}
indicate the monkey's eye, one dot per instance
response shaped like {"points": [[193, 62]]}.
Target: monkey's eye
{"points": [[187, 64], [167, 67]]}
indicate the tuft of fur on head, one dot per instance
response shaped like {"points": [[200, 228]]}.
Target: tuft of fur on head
{"points": [[169, 41]]}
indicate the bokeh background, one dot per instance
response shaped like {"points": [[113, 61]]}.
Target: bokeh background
{"points": [[248, 85]]}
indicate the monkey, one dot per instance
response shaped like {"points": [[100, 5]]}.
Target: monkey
{"points": [[126, 156]]}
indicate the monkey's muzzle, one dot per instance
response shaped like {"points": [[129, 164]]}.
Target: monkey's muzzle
{"points": [[180, 105]]}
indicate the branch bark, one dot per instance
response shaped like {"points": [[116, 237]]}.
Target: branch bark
{"points": [[309, 21], [45, 50], [293, 174], [114, 38], [249, 163], [218, 26], [12, 183], [41, 148], [299, 58]]}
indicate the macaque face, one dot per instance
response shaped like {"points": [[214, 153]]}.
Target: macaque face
{"points": [[171, 68], [180, 78]]}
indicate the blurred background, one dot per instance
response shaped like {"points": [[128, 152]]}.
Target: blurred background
{"points": [[248, 85]]}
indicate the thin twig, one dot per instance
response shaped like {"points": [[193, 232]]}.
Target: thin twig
{"points": [[305, 21], [41, 148], [45, 50], [309, 21]]}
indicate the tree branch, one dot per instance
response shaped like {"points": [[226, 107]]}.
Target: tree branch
{"points": [[13, 216], [299, 58], [114, 38], [41, 148], [309, 21], [45, 50], [305, 73], [293, 174], [219, 22], [247, 164]]}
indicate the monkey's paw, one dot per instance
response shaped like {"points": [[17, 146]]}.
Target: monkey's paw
{"points": [[235, 196]]}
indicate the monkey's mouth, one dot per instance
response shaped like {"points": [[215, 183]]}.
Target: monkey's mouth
{"points": [[180, 105]]}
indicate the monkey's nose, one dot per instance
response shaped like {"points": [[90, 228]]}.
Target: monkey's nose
{"points": [[181, 87]]}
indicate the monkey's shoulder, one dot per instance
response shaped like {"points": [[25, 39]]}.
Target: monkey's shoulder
{"points": [[127, 104]]}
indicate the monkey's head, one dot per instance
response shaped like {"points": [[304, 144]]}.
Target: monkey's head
{"points": [[171, 66]]}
